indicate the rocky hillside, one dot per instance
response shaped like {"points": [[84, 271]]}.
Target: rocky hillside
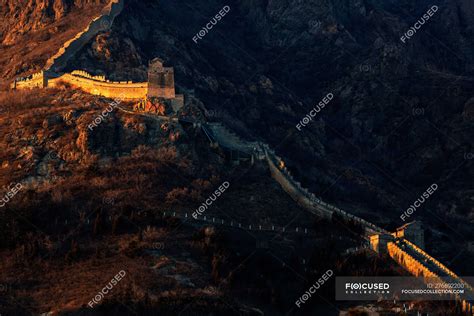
{"points": [[91, 205], [31, 31], [401, 117]]}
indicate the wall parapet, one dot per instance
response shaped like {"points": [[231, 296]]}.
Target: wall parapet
{"points": [[418, 268], [435, 262], [286, 180], [36, 80], [85, 74], [115, 90]]}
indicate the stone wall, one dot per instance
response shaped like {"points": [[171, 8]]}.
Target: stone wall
{"points": [[161, 83], [37, 80], [307, 199], [419, 268], [282, 176], [408, 262], [109, 89], [99, 24], [96, 85], [431, 259], [85, 74]]}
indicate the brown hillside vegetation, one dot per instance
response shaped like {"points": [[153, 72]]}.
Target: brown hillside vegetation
{"points": [[91, 205], [32, 31]]}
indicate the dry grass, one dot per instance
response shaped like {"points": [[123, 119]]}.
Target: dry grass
{"points": [[32, 49]]}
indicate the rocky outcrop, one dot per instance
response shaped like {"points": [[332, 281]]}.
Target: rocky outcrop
{"points": [[24, 16], [397, 106], [101, 23]]}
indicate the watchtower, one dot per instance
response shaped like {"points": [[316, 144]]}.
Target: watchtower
{"points": [[160, 80], [413, 232], [378, 242]]}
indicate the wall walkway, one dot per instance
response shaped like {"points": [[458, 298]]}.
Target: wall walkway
{"points": [[109, 89], [414, 259]]}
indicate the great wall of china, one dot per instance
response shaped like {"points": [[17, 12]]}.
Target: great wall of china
{"points": [[403, 251], [99, 24], [398, 245], [160, 83]]}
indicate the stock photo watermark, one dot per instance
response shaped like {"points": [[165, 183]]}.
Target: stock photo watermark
{"points": [[314, 111], [418, 24], [158, 246], [105, 113], [417, 204], [3, 288], [12, 191], [320, 282], [201, 209], [418, 111], [210, 25], [106, 289]]}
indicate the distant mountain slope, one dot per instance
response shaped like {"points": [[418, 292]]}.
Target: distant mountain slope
{"points": [[402, 114], [33, 30]]}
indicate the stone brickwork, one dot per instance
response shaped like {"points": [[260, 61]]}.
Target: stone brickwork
{"points": [[160, 80], [412, 232], [408, 255], [99, 85], [103, 87], [420, 264], [85, 74], [379, 242], [307, 199], [36, 80]]}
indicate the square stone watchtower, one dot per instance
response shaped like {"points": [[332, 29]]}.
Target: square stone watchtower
{"points": [[378, 242], [412, 232], [160, 80]]}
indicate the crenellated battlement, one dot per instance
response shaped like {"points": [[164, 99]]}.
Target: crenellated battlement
{"points": [[160, 82], [85, 74], [307, 199], [100, 85], [36, 80]]}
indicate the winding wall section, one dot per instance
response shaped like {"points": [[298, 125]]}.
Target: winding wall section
{"points": [[411, 257], [72, 46], [109, 89]]}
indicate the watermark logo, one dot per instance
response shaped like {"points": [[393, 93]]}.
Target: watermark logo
{"points": [[214, 113], [418, 111], [53, 155], [210, 25], [365, 68], [108, 200], [315, 26], [391, 288], [320, 282], [105, 113], [418, 24], [367, 287], [417, 204], [3, 288], [158, 246], [100, 296], [12, 191], [106, 23], [201, 209], [312, 114]]}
